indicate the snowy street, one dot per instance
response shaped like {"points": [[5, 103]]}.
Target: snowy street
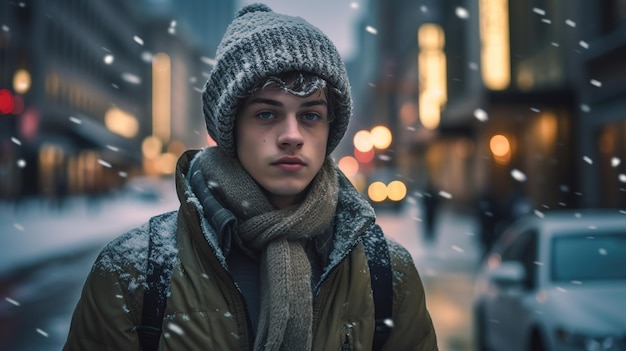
{"points": [[47, 253]]}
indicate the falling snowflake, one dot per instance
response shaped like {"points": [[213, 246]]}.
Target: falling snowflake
{"points": [[146, 56], [172, 28], [21, 163], [11, 301], [596, 83], [481, 115], [445, 194], [40, 331], [131, 78], [138, 40], [615, 162], [176, 328], [208, 60], [104, 163], [371, 30], [462, 12], [583, 44], [539, 11], [108, 59], [570, 23], [16, 141], [518, 175], [588, 160], [75, 120]]}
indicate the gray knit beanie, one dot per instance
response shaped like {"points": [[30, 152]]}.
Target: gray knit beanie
{"points": [[260, 43]]}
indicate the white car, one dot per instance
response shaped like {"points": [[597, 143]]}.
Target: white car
{"points": [[555, 281]]}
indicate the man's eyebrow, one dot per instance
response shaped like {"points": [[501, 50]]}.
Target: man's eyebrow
{"points": [[280, 104], [314, 103], [265, 101]]}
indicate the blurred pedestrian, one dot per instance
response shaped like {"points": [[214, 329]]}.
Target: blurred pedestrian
{"points": [[430, 205], [490, 213], [269, 244]]}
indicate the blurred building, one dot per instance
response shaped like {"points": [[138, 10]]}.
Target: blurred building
{"points": [[502, 100], [94, 92], [602, 108]]}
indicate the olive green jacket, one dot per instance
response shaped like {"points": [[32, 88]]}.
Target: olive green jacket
{"points": [[205, 309]]}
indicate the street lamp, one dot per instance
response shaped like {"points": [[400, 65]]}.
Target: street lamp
{"points": [[21, 81], [500, 148], [381, 137]]}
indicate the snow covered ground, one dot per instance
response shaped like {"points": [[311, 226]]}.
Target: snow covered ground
{"points": [[36, 230]]}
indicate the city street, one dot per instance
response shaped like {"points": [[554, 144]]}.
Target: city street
{"points": [[47, 253]]}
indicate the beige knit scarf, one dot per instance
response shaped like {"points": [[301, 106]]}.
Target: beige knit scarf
{"points": [[285, 321]]}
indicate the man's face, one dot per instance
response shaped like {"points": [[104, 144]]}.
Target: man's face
{"points": [[281, 141]]}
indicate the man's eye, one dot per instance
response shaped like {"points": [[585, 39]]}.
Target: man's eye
{"points": [[311, 116], [265, 115]]}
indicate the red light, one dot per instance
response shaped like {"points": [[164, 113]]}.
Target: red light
{"points": [[364, 157], [6, 101]]}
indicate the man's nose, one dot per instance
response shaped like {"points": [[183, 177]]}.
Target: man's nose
{"points": [[290, 133]]}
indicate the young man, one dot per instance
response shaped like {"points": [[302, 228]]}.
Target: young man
{"points": [[268, 250]]}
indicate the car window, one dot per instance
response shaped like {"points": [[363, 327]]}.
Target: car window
{"points": [[524, 250], [584, 257]]}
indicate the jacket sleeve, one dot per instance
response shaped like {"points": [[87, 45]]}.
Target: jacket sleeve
{"points": [[413, 328], [106, 314]]}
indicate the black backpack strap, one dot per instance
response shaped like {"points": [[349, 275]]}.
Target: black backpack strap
{"points": [[154, 296], [379, 261]]}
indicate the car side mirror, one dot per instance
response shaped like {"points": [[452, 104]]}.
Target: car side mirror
{"points": [[508, 274]]}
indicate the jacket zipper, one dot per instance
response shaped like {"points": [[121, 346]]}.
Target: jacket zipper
{"points": [[347, 337], [347, 342]]}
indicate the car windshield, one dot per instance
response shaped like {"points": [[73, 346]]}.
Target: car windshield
{"points": [[586, 257]]}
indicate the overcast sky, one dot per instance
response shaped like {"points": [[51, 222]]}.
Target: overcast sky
{"points": [[336, 18]]}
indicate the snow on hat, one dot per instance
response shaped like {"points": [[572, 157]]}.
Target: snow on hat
{"points": [[260, 43]]}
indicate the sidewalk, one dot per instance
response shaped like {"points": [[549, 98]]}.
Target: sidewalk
{"points": [[446, 264], [35, 230], [454, 246]]}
